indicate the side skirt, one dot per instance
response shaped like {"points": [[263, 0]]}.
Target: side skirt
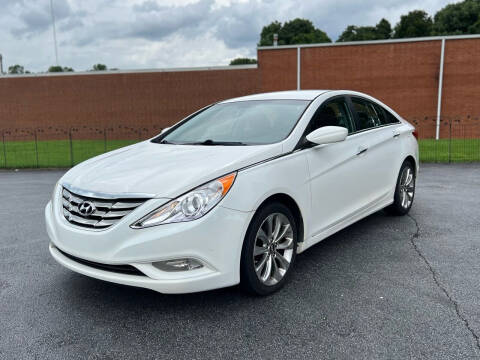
{"points": [[381, 204]]}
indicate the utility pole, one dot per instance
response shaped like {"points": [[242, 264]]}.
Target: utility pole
{"points": [[54, 32], [1, 64]]}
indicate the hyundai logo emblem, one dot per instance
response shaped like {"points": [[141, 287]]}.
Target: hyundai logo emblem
{"points": [[86, 208]]}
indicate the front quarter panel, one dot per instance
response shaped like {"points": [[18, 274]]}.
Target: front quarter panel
{"points": [[287, 174]]}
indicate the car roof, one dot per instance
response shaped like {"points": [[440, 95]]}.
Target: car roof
{"points": [[281, 95]]}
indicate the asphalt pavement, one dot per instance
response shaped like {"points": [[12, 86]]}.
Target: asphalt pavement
{"points": [[384, 288]]}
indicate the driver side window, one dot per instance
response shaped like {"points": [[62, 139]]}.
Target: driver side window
{"points": [[333, 113]]}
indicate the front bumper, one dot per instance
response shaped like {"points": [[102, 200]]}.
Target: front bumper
{"points": [[215, 240]]}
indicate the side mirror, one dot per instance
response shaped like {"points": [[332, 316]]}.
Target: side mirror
{"points": [[165, 129], [327, 135]]}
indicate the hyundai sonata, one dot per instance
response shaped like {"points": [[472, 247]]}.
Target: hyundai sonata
{"points": [[233, 192]]}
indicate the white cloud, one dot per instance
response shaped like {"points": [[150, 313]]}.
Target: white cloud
{"points": [[169, 33]]}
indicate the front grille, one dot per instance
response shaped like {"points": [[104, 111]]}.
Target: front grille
{"points": [[106, 212], [121, 269]]}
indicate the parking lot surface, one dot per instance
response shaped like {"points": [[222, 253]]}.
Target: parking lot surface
{"points": [[384, 288]]}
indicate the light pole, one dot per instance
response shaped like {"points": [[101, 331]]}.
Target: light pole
{"points": [[54, 32], [1, 64]]}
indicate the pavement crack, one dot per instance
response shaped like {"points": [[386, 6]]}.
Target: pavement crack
{"points": [[439, 284]]}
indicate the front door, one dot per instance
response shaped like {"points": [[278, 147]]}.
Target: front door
{"points": [[337, 178]]}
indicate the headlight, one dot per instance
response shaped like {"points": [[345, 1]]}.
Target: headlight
{"points": [[191, 206]]}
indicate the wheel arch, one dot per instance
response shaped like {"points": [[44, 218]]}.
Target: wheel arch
{"points": [[411, 159], [288, 201]]}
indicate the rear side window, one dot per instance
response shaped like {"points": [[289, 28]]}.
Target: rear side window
{"points": [[367, 117], [391, 119], [333, 113], [381, 114], [385, 116]]}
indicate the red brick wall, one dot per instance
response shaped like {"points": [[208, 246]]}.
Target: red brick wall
{"points": [[461, 81], [404, 75], [278, 69], [461, 85], [156, 99]]}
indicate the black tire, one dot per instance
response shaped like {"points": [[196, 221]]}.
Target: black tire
{"points": [[399, 207], [249, 280]]}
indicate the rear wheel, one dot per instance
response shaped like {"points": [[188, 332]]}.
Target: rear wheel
{"points": [[269, 249], [404, 191]]}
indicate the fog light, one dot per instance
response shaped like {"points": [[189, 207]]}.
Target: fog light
{"points": [[178, 265]]}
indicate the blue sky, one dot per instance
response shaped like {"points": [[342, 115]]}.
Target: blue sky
{"points": [[139, 34]]}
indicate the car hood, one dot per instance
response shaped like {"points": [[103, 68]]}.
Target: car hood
{"points": [[162, 170]]}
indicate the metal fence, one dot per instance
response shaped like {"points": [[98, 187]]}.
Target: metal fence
{"points": [[55, 147], [459, 139]]}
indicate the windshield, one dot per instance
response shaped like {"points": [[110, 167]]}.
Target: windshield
{"points": [[239, 123]]}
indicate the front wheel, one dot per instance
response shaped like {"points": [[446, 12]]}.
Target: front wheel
{"points": [[269, 249], [404, 191]]}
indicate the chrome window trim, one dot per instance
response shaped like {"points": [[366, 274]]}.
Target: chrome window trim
{"points": [[373, 128]]}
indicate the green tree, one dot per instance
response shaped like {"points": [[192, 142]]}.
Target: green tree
{"points": [[415, 24], [243, 61], [16, 69], [99, 67], [57, 68], [302, 31], [459, 18], [383, 30], [297, 31], [266, 36], [358, 33]]}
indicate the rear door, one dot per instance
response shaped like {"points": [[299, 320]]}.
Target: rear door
{"points": [[379, 133]]}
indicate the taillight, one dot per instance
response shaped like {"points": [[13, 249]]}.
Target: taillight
{"points": [[415, 133]]}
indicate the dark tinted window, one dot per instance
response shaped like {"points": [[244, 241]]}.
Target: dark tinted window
{"points": [[333, 113], [385, 116], [391, 119], [367, 117], [382, 116]]}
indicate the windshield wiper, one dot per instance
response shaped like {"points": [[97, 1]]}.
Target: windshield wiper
{"points": [[213, 143]]}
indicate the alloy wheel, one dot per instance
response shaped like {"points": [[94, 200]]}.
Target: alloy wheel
{"points": [[407, 187], [273, 249]]}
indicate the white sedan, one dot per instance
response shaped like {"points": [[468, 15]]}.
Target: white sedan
{"points": [[233, 192]]}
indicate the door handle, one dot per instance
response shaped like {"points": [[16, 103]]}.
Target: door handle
{"points": [[362, 150], [396, 133]]}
